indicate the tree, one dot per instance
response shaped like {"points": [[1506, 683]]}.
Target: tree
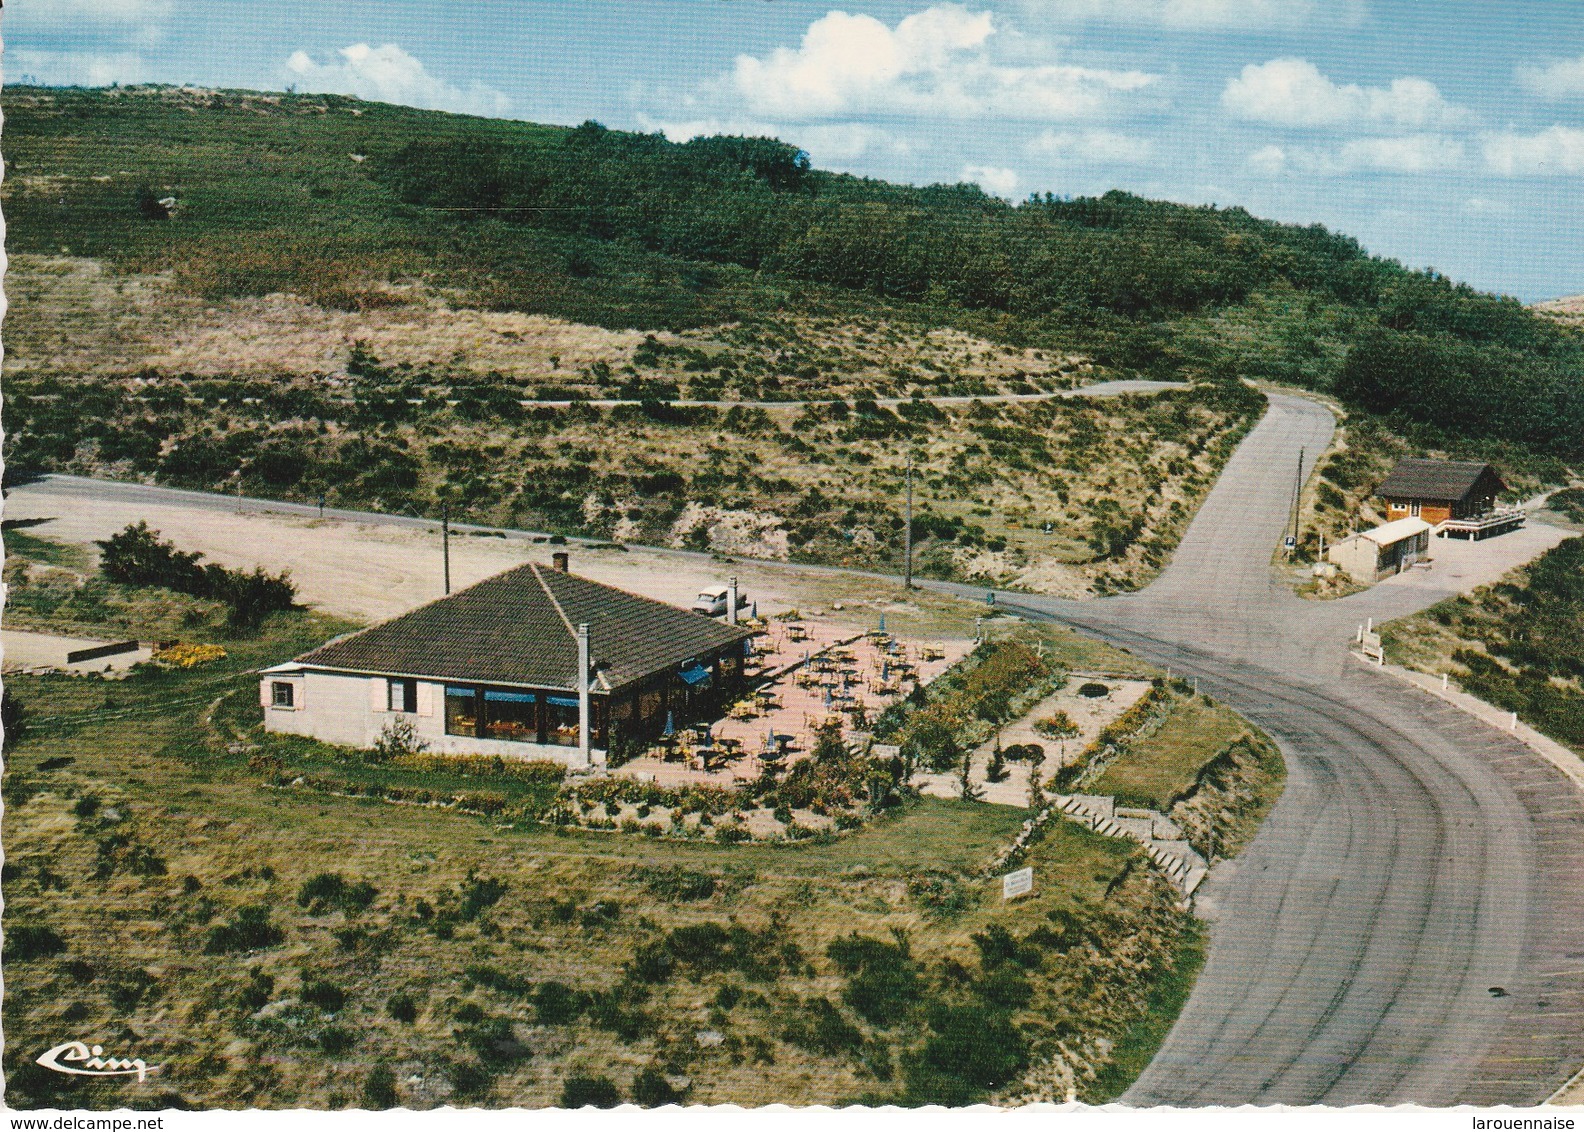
{"points": [[1036, 792]]}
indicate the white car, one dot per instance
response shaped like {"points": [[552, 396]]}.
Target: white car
{"points": [[713, 601]]}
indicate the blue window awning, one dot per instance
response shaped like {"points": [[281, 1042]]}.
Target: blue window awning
{"points": [[500, 695], [695, 674], [562, 701]]}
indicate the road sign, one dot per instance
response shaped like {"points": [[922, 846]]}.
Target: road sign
{"points": [[1019, 883]]}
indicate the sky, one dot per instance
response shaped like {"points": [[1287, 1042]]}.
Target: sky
{"points": [[1442, 133]]}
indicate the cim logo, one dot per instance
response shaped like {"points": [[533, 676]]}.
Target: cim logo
{"points": [[82, 1060]]}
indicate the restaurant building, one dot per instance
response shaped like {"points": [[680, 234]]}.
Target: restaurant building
{"points": [[532, 663]]}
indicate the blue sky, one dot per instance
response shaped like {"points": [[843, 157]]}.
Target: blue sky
{"points": [[1446, 134]]}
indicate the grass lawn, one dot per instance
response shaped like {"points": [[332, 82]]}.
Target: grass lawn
{"points": [[1157, 770]]}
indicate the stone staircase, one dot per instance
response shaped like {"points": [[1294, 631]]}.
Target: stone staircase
{"points": [[1161, 837]]}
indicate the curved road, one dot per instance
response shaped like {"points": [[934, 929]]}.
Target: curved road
{"points": [[1409, 924]]}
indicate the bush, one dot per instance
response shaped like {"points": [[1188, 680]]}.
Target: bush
{"points": [[556, 1004], [651, 1089], [323, 891], [980, 1047], [1093, 690], [883, 981], [822, 1029], [136, 557], [397, 739], [402, 1008], [31, 941], [579, 1091], [326, 996], [677, 883], [249, 930], [379, 1090], [1059, 725]]}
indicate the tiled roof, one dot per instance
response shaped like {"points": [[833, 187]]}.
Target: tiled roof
{"points": [[519, 628], [1437, 479]]}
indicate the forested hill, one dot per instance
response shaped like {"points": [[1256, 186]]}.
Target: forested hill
{"points": [[331, 197]]}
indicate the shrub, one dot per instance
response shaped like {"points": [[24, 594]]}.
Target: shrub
{"points": [[397, 739], [469, 1079], [1059, 725], [651, 1089], [677, 883], [556, 1004], [1093, 690], [822, 1029], [883, 981], [31, 941], [980, 1047], [326, 996], [379, 1090], [335, 1040], [256, 992], [249, 930], [323, 891], [135, 556], [402, 1008], [580, 1091]]}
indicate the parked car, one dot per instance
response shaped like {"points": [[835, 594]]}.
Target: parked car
{"points": [[712, 601]]}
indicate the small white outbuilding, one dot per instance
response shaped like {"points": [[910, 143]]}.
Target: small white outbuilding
{"points": [[1391, 548]]}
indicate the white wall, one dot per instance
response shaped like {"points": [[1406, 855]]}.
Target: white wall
{"points": [[350, 710]]}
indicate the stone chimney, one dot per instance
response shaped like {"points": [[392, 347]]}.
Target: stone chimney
{"points": [[559, 561]]}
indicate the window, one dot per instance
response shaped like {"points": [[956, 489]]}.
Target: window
{"points": [[1413, 509], [510, 716], [561, 720], [403, 695], [282, 694], [461, 709]]}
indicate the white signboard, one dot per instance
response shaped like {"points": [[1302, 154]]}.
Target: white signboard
{"points": [[1019, 883]]}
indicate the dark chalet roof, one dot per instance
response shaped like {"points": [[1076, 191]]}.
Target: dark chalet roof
{"points": [[520, 628], [1440, 480]]}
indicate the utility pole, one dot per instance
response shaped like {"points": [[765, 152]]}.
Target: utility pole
{"points": [[1297, 494], [445, 542], [907, 533]]}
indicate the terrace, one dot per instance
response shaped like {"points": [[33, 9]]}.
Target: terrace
{"points": [[806, 671]]}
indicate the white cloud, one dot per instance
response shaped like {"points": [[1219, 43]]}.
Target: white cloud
{"points": [[992, 179], [1417, 153], [75, 68], [1206, 14], [1484, 206], [1268, 161], [389, 74], [1554, 152], [1561, 79], [1099, 147], [1413, 153], [1293, 92], [936, 63]]}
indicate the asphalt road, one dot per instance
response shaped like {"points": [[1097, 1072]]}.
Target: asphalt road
{"points": [[1409, 924]]}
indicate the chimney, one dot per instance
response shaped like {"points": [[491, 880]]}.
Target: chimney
{"points": [[585, 717], [559, 561]]}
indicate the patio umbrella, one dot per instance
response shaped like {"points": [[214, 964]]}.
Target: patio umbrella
{"points": [[670, 727]]}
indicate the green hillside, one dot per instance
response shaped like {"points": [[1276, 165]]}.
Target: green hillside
{"points": [[629, 230]]}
